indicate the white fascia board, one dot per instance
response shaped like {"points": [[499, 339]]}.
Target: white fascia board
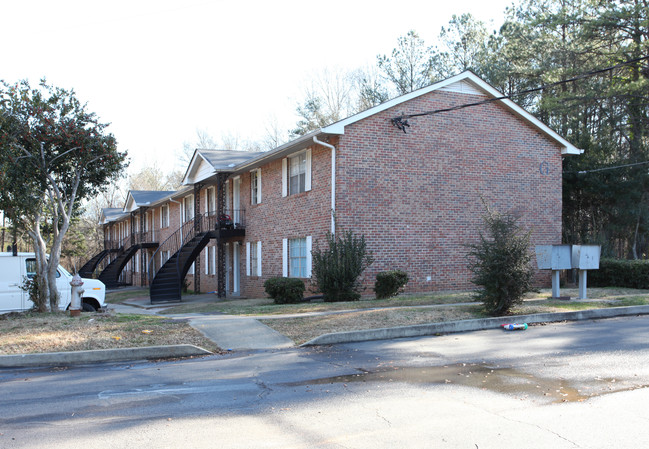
{"points": [[566, 147], [193, 166], [164, 200], [339, 127], [129, 204], [288, 148]]}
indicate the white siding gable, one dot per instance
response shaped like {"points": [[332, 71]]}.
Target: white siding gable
{"points": [[463, 87]]}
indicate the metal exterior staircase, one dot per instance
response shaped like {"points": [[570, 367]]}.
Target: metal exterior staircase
{"points": [[167, 283], [110, 276], [183, 247], [88, 268]]}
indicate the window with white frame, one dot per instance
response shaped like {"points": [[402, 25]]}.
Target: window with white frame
{"points": [[210, 260], [297, 257], [210, 199], [188, 208], [296, 173], [164, 216], [253, 258], [255, 186]]}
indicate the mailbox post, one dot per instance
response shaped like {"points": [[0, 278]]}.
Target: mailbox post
{"points": [[555, 258], [585, 257]]}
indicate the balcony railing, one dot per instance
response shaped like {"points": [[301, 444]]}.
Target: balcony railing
{"points": [[211, 221]]}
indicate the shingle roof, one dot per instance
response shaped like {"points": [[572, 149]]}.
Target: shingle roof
{"points": [[146, 197]]}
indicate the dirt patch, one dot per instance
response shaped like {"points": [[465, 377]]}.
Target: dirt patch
{"points": [[304, 329], [25, 333]]}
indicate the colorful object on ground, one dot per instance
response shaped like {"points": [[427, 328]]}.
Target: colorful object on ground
{"points": [[514, 326]]}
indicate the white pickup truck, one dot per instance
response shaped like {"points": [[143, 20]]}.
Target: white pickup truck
{"points": [[13, 271]]}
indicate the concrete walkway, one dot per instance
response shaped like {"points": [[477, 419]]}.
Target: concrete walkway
{"points": [[227, 331], [239, 333], [246, 333]]}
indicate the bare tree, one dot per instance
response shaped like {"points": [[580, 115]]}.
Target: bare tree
{"points": [[329, 97], [275, 134], [409, 67]]}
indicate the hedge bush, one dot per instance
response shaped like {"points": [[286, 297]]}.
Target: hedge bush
{"points": [[500, 263], [337, 268], [285, 290], [620, 273], [389, 283]]}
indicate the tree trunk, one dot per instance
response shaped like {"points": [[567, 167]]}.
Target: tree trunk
{"points": [[41, 265]]}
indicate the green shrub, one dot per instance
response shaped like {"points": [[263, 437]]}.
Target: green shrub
{"points": [[390, 283], [620, 273], [285, 290], [500, 263], [336, 269]]}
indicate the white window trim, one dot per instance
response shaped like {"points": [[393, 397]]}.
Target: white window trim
{"points": [[309, 261], [184, 211], [210, 205], [285, 177], [307, 181], [164, 215], [256, 172], [307, 174], [249, 259], [285, 258]]}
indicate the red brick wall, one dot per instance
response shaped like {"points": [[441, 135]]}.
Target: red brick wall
{"points": [[417, 197], [277, 217]]}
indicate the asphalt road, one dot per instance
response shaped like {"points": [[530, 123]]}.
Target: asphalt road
{"points": [[581, 384]]}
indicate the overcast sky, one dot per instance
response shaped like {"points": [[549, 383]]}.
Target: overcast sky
{"points": [[159, 70]]}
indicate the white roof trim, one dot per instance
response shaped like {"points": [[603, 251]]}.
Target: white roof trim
{"points": [[129, 204], [566, 147], [194, 165]]}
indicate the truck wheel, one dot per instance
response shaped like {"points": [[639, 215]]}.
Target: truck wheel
{"points": [[85, 307]]}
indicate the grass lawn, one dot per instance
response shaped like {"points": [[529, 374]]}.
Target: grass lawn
{"points": [[25, 333], [30, 332], [265, 306]]}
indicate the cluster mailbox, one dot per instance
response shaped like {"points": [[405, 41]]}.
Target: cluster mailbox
{"points": [[566, 257]]}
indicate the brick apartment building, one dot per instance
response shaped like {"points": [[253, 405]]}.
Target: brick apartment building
{"points": [[417, 195]]}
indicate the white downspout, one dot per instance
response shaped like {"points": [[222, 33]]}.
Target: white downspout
{"points": [[333, 181]]}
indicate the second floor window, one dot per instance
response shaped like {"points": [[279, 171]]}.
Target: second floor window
{"points": [[255, 186], [297, 174], [164, 216]]}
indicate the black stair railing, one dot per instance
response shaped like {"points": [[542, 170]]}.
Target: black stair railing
{"points": [[210, 221], [172, 245]]}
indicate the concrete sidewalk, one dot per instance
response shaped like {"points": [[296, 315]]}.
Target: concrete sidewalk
{"points": [[243, 333]]}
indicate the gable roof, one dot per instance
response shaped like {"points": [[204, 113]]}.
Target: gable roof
{"points": [[466, 82], [206, 163], [109, 214], [139, 198]]}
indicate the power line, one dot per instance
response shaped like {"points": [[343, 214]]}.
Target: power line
{"points": [[401, 121], [581, 172]]}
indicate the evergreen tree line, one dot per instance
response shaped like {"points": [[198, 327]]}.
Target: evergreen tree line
{"points": [[544, 42]]}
